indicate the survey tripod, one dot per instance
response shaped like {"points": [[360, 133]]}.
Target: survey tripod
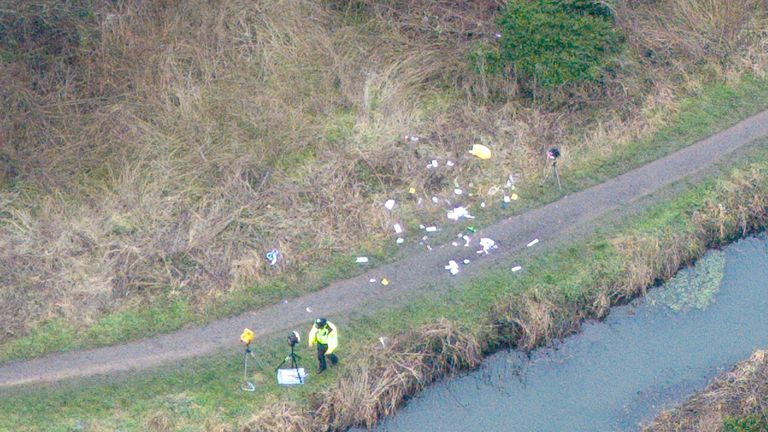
{"points": [[294, 359]]}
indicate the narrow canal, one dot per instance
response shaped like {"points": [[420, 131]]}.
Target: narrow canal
{"points": [[621, 372]]}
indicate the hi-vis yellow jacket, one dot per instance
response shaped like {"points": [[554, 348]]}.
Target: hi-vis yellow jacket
{"points": [[327, 335]]}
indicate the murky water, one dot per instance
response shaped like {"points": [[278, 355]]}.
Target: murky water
{"points": [[618, 373]]}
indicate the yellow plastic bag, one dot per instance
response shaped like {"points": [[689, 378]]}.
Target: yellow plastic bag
{"points": [[480, 151]]}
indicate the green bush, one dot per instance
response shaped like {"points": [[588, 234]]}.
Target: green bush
{"points": [[553, 42], [754, 423]]}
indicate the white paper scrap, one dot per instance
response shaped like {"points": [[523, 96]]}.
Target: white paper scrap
{"points": [[431, 229], [361, 260], [458, 191], [516, 268], [449, 163], [398, 228], [390, 204], [400, 240], [533, 242]]}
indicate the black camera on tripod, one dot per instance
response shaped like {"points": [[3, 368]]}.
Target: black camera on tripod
{"points": [[293, 338]]}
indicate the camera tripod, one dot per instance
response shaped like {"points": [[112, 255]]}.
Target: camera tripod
{"points": [[294, 358]]}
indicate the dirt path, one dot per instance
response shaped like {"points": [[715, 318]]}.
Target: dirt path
{"points": [[407, 277]]}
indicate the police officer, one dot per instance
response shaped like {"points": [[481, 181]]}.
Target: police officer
{"points": [[324, 333]]}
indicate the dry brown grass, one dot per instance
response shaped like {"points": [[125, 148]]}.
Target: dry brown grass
{"points": [[738, 393], [165, 146]]}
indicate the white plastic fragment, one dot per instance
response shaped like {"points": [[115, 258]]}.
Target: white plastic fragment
{"points": [[466, 261], [482, 204], [400, 240], [487, 245], [516, 268], [361, 260], [431, 228], [383, 341], [453, 267], [421, 226], [455, 243], [309, 310], [533, 242], [507, 199], [434, 163], [458, 213], [372, 280], [458, 191], [390, 204], [435, 200], [467, 240], [449, 163], [398, 228]]}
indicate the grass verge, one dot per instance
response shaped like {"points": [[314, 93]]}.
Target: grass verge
{"points": [[428, 338], [715, 107]]}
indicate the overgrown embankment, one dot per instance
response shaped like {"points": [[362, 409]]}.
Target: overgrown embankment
{"points": [[737, 401], [152, 152], [622, 267]]}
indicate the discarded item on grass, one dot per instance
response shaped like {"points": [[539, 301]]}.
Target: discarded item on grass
{"points": [[412, 191], [361, 260], [400, 240], [455, 243], [453, 267], [467, 240], [471, 229], [516, 268], [383, 341], [429, 248], [398, 228], [514, 197], [480, 151], [433, 164], [372, 280], [435, 200], [309, 310], [449, 163], [385, 281], [482, 204], [466, 261], [458, 213], [493, 190], [487, 245], [272, 256], [458, 191], [291, 376], [533, 242], [431, 228], [390, 204], [507, 199]]}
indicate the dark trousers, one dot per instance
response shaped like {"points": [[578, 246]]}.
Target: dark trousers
{"points": [[321, 349]]}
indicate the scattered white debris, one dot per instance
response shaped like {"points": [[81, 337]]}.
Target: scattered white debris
{"points": [[425, 238], [453, 267], [431, 228], [533, 242], [390, 204], [449, 163], [435, 200], [487, 245], [507, 199], [361, 260], [383, 341], [466, 261], [272, 256], [467, 240], [434, 163], [455, 243], [482, 204], [372, 280], [400, 240], [398, 228], [421, 226], [458, 191], [385, 281], [309, 310], [414, 139], [429, 248], [516, 268], [458, 213]]}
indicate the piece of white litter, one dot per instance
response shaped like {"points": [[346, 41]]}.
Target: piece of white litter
{"points": [[453, 266], [482, 204], [429, 248], [431, 229], [533, 242], [434, 163], [458, 191], [361, 260], [435, 200], [400, 240], [383, 341], [425, 238], [398, 228], [309, 310], [466, 261], [455, 243], [421, 226], [507, 199], [487, 244], [516, 268], [467, 240], [372, 280], [414, 138], [449, 163], [458, 213], [390, 204]]}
